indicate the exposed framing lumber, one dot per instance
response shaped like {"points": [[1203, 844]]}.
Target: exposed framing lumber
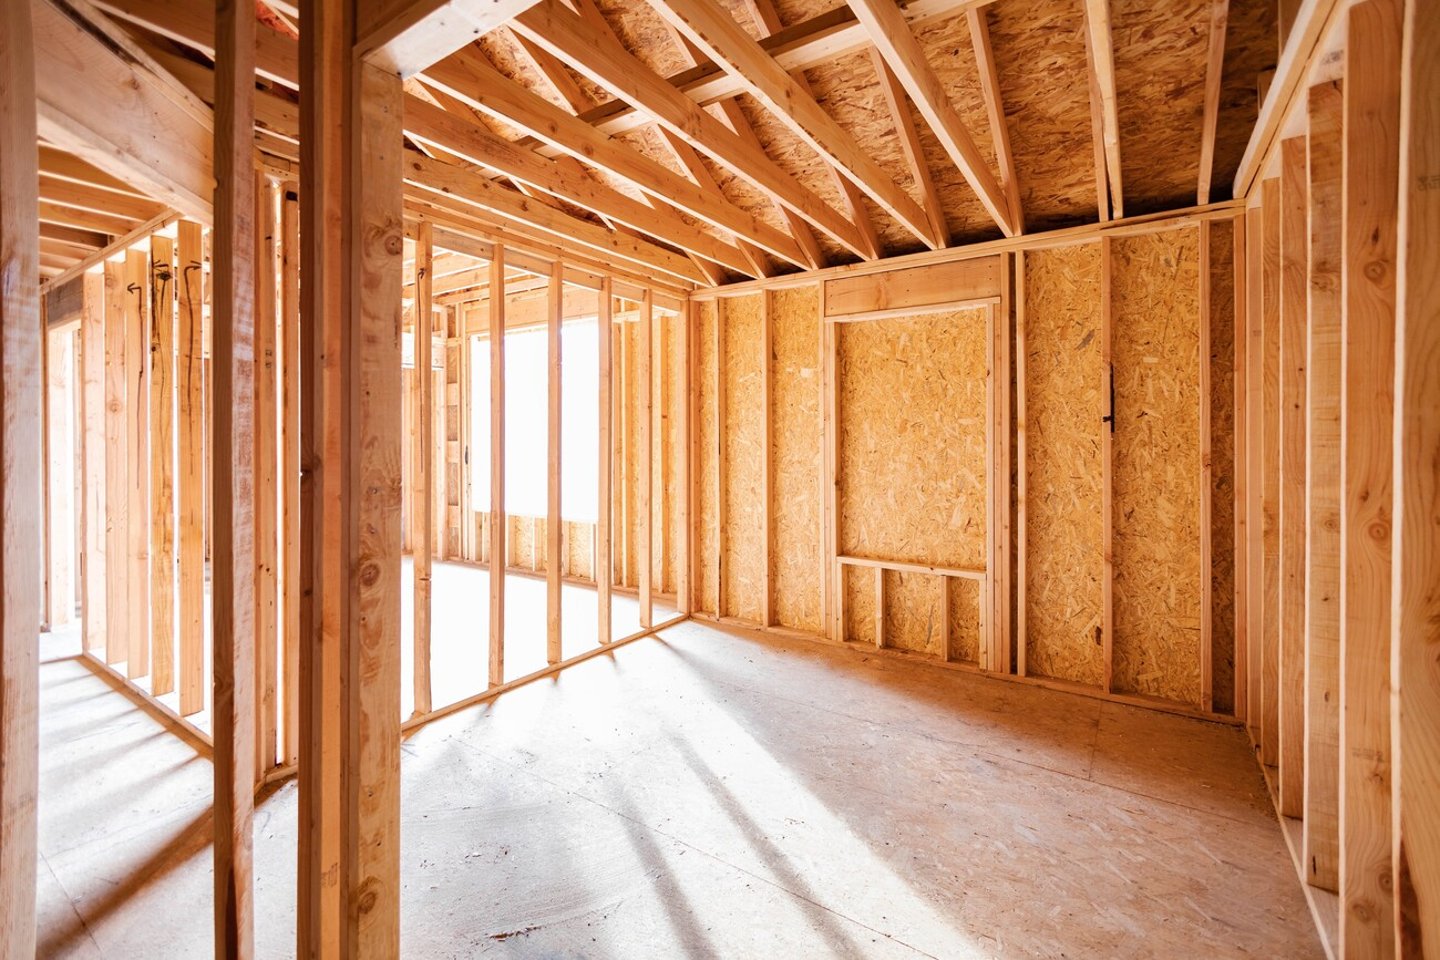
{"points": [[1269, 464], [291, 465], [407, 37], [1207, 607], [607, 63], [422, 514], [1254, 337], [892, 37], [684, 461], [554, 309], [895, 100], [999, 456], [266, 455], [1241, 475], [1101, 55], [1371, 188], [94, 516], [1320, 831], [162, 464], [604, 567], [117, 469], [979, 25], [767, 467], [1417, 766], [721, 460], [717, 34], [233, 418], [498, 552], [190, 492], [1022, 482], [645, 453], [1214, 75], [160, 143], [21, 349], [1107, 467], [136, 297]]}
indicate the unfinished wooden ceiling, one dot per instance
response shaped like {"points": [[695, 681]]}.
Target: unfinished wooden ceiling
{"points": [[83, 210], [701, 141]]}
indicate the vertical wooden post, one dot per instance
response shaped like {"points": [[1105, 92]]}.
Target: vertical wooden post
{"points": [[879, 608], [1021, 481], [267, 519], [1207, 614], [233, 418], [604, 564], [21, 348], [645, 439], [422, 512], [767, 471], [831, 573], [498, 522], [1254, 337], [1001, 320], [721, 460], [290, 461], [1417, 494], [162, 464], [60, 512], [117, 470], [1320, 837], [190, 487], [1269, 637], [1240, 442], [92, 394], [1293, 256], [1107, 459], [554, 318], [1371, 188], [136, 294], [684, 462]]}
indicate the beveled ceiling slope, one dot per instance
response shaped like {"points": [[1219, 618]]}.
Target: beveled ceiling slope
{"points": [[700, 141]]}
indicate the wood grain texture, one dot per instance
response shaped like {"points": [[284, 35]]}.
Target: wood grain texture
{"points": [[796, 454], [743, 450], [1293, 255], [1269, 644], [422, 516], [93, 584], [498, 526], [1223, 461], [266, 457], [1371, 187], [1320, 840], [1417, 492], [136, 295], [117, 469], [190, 491], [21, 348]]}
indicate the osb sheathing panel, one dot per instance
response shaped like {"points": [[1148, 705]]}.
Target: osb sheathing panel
{"points": [[526, 542], [744, 452], [1049, 121], [644, 34], [1155, 345], [1222, 464], [965, 620], [858, 584], [915, 612], [912, 458], [1160, 94], [579, 549], [795, 458], [705, 463], [1250, 49], [1064, 400]]}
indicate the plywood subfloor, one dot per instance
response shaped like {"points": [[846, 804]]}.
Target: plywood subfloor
{"points": [[707, 794]]}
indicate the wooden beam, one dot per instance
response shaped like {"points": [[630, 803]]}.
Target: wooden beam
{"points": [[1107, 467], [137, 552], [77, 219], [117, 469], [892, 37], [977, 19], [267, 513], [21, 349], [717, 34], [422, 516], [162, 464], [291, 462], [407, 37], [94, 519], [767, 469], [190, 492], [604, 403], [1294, 243], [1371, 187], [85, 197], [607, 63], [684, 462], [161, 143], [895, 100], [1320, 835], [555, 308], [1206, 477], [1101, 51], [1269, 635], [233, 553], [498, 553], [1214, 76], [1417, 438], [645, 454]]}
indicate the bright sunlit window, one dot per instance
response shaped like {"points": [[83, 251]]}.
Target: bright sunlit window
{"points": [[527, 421]]}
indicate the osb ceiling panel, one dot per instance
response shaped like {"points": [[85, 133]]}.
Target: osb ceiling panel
{"points": [[1160, 94], [1039, 52], [645, 34]]}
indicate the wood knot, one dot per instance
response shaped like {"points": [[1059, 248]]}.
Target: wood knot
{"points": [[369, 574]]}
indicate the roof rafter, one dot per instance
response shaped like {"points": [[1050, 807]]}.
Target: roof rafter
{"points": [[896, 100], [1101, 55], [606, 62], [1214, 74], [995, 107], [892, 37]]}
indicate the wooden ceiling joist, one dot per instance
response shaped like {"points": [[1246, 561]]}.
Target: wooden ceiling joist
{"points": [[407, 37], [607, 63], [467, 139], [468, 78], [87, 238], [97, 200], [979, 24], [64, 166], [892, 37], [458, 185], [1101, 53], [897, 102], [101, 98], [716, 34], [193, 24], [1214, 74], [64, 216]]}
